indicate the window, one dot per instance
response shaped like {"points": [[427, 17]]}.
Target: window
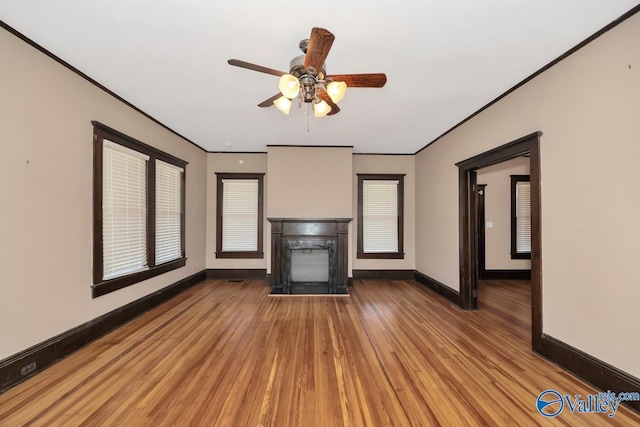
{"points": [[520, 217], [380, 216], [239, 216], [138, 211], [168, 212], [124, 210]]}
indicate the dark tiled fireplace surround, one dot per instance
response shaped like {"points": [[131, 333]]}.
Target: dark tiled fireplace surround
{"points": [[289, 234]]}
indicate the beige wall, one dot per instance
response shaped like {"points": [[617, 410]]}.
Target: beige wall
{"points": [[497, 201], [231, 163], [309, 182], [587, 107], [300, 182], [317, 191], [46, 156], [375, 164]]}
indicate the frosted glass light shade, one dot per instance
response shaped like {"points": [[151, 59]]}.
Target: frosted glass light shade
{"points": [[336, 91], [289, 86], [321, 109], [283, 104]]}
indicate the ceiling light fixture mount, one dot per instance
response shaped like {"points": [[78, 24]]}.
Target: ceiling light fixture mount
{"points": [[307, 80]]}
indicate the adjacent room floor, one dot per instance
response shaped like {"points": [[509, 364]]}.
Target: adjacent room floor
{"points": [[227, 354]]}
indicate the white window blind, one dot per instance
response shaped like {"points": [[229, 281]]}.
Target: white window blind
{"points": [[168, 211], [124, 210], [523, 216], [240, 215], [380, 215]]}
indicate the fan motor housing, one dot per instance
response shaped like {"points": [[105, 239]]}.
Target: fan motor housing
{"points": [[309, 77], [296, 68]]}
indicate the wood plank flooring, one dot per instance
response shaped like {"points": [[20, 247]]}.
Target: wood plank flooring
{"points": [[227, 354]]}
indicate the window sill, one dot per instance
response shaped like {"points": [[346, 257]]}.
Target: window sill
{"points": [[111, 285], [380, 255], [240, 255], [521, 255]]}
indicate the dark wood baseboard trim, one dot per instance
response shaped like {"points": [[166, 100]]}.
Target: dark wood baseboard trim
{"points": [[384, 274], [603, 376], [507, 275], [439, 288], [349, 282], [33, 360], [230, 273]]}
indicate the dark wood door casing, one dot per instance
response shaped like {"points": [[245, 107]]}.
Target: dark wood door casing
{"points": [[529, 144], [480, 193]]}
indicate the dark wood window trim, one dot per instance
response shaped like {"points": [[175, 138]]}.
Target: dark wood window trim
{"points": [[361, 254], [259, 253], [101, 286], [514, 182]]}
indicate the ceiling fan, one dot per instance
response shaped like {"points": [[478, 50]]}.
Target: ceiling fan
{"points": [[307, 80]]}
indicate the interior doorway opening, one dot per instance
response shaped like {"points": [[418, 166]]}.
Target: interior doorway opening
{"points": [[503, 217], [469, 254]]}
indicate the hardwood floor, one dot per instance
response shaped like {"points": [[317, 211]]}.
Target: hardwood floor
{"points": [[509, 300], [227, 354]]}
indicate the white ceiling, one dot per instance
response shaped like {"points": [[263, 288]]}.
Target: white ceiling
{"points": [[443, 59]]}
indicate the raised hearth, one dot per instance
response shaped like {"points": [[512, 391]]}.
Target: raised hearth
{"points": [[306, 240]]}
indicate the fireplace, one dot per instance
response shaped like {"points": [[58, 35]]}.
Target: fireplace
{"points": [[310, 264], [309, 256]]}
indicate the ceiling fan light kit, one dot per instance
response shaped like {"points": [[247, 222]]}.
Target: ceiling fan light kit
{"points": [[289, 86], [307, 80], [321, 109], [283, 104], [336, 91]]}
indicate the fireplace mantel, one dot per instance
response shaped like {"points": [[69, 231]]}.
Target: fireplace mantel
{"points": [[308, 233]]}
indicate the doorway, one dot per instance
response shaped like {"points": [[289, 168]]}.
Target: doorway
{"points": [[468, 221]]}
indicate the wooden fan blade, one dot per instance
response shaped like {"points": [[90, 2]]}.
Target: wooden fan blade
{"points": [[326, 98], [269, 102], [360, 80], [254, 67], [319, 45]]}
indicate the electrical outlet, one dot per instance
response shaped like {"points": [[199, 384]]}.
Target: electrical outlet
{"points": [[28, 369]]}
